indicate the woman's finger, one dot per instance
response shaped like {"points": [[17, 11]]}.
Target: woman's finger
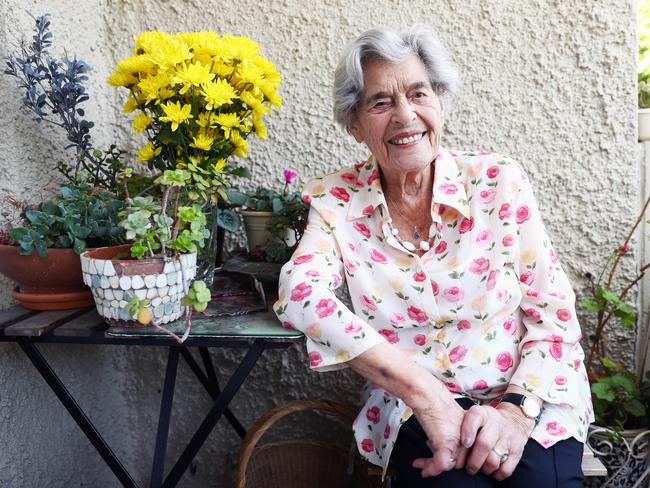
{"points": [[474, 419]]}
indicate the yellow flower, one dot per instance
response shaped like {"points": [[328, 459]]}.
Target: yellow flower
{"points": [[254, 103], [271, 74], [139, 63], [202, 141], [342, 355], [176, 114], [221, 68], [318, 190], [260, 130], [240, 47], [240, 146], [221, 165], [130, 105], [193, 75], [148, 152], [529, 256], [169, 53], [217, 93], [249, 73], [141, 122], [313, 331], [152, 85], [227, 122], [533, 380], [120, 78], [147, 40]]}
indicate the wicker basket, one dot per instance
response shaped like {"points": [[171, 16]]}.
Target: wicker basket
{"points": [[299, 463]]}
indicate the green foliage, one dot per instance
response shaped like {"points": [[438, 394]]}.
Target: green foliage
{"points": [[643, 62], [77, 218], [198, 296]]}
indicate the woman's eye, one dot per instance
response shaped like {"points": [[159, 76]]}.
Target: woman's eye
{"points": [[420, 95]]}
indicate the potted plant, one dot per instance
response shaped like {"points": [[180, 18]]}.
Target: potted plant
{"points": [[197, 98], [643, 70], [274, 221], [149, 281], [84, 213], [621, 396]]}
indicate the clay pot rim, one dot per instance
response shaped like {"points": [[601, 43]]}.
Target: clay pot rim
{"points": [[56, 250], [90, 254]]}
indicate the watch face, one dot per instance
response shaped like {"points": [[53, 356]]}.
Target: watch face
{"points": [[531, 408]]}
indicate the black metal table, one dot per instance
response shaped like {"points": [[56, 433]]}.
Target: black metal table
{"points": [[255, 332]]}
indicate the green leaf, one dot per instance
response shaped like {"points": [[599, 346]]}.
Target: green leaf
{"points": [[623, 382], [635, 407], [603, 391], [592, 305]]}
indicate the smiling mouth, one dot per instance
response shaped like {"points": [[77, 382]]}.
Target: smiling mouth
{"points": [[407, 140]]}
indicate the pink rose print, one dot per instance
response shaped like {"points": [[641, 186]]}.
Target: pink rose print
{"points": [[463, 325], [416, 314], [522, 214], [306, 199], [508, 240], [554, 258], [576, 363], [378, 257], [288, 325], [560, 380], [434, 288], [466, 225], [340, 193], [313, 273], [315, 359], [487, 196], [480, 385], [555, 429], [563, 314], [362, 229], [504, 361], [531, 312], [387, 431], [419, 277], [509, 326], [368, 303], [373, 176], [505, 212], [350, 266], [397, 320], [527, 278], [453, 387], [546, 442], [305, 258], [352, 180], [390, 335], [442, 208], [492, 279], [457, 354], [533, 294], [483, 238], [442, 247], [325, 307], [555, 348], [336, 280], [367, 445], [453, 294], [367, 211], [502, 294], [373, 414], [492, 172], [420, 339], [479, 265], [448, 188], [300, 292], [352, 328]]}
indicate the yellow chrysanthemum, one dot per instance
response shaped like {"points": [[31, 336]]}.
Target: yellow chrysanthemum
{"points": [[193, 74], [130, 105], [141, 122], [151, 86], [271, 74], [254, 103], [227, 122], [221, 68], [176, 114], [217, 93], [260, 130], [139, 63], [240, 146], [221, 165], [148, 152], [169, 53], [249, 73], [202, 141], [240, 47], [146, 41], [120, 78]]}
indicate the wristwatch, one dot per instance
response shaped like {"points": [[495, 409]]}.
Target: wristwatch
{"points": [[529, 407]]}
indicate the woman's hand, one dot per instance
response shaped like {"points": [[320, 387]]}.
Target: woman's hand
{"points": [[442, 423], [490, 431]]}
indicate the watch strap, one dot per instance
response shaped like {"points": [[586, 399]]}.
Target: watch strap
{"points": [[519, 399]]}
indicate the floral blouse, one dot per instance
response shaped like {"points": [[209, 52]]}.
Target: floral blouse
{"points": [[486, 306]]}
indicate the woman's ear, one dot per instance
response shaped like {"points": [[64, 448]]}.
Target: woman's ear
{"points": [[355, 130]]}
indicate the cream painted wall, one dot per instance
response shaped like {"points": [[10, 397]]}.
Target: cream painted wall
{"points": [[548, 82]]}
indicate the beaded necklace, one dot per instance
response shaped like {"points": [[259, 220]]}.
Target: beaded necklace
{"points": [[424, 245]]}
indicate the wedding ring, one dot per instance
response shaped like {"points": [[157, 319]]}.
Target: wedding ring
{"points": [[502, 455]]}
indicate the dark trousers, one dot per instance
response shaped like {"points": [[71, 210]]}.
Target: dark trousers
{"points": [[559, 466]]}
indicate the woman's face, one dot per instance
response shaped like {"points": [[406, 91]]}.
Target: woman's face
{"points": [[400, 116]]}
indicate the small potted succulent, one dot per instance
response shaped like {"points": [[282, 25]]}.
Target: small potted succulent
{"points": [[149, 281], [274, 221], [41, 251]]}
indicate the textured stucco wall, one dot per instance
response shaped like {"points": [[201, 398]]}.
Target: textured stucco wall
{"points": [[551, 83]]}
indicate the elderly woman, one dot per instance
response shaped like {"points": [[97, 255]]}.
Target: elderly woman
{"points": [[463, 321]]}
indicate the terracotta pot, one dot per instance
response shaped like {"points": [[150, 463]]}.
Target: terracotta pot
{"points": [[52, 282], [115, 281], [255, 225]]}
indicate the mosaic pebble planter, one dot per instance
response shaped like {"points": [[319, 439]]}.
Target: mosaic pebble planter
{"points": [[114, 282]]}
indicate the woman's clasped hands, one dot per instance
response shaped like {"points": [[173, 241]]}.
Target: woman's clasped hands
{"points": [[482, 439]]}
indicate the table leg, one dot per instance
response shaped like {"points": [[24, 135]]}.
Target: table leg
{"points": [[165, 416], [232, 386], [211, 385], [77, 413]]}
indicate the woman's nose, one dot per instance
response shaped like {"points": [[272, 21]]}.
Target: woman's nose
{"points": [[404, 112]]}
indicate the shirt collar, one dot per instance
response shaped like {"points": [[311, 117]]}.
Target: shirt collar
{"points": [[448, 187]]}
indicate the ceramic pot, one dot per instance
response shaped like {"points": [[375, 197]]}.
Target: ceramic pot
{"points": [[626, 460], [51, 282], [644, 124], [114, 282], [255, 222]]}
